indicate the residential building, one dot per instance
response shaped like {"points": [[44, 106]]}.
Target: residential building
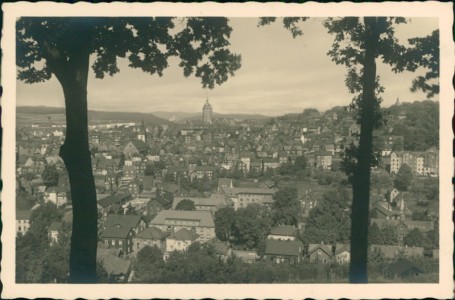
{"points": [[343, 253], [320, 252], [54, 232], [283, 233], [201, 222], [180, 240], [241, 197], [151, 236], [283, 250], [212, 203], [22, 221]]}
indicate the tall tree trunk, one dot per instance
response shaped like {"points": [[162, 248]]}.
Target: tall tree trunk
{"points": [[358, 272], [76, 155]]}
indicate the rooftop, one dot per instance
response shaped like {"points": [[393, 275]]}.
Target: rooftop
{"points": [[184, 235], [204, 217], [288, 248]]}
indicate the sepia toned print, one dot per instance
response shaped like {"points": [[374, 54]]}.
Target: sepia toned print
{"points": [[222, 149]]}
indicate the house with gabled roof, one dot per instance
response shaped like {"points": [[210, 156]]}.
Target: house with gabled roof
{"points": [[180, 240], [135, 147], [106, 204], [320, 252], [342, 253], [283, 233], [118, 237], [284, 250], [151, 236], [134, 222]]}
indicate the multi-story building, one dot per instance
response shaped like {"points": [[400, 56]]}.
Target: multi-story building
{"points": [[241, 197], [200, 222], [421, 163], [207, 113]]}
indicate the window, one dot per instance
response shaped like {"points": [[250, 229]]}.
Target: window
{"points": [[120, 243], [113, 242]]}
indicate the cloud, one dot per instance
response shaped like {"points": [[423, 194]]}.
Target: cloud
{"points": [[279, 74]]}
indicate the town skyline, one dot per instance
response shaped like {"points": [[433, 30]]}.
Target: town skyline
{"points": [[279, 75]]}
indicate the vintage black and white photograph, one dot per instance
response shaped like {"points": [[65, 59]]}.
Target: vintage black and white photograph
{"points": [[179, 146]]}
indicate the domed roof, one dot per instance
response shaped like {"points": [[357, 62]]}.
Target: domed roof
{"points": [[207, 105]]}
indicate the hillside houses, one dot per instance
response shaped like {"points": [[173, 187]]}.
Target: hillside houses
{"points": [[421, 163], [143, 172]]}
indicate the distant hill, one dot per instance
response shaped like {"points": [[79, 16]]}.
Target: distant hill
{"points": [[237, 117], [182, 117], [97, 115], [176, 116]]}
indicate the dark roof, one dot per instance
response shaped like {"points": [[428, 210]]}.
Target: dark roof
{"points": [[140, 145], [113, 199], [23, 214], [116, 232], [314, 247], [184, 235], [288, 248], [383, 210], [152, 233], [286, 230], [122, 221]]}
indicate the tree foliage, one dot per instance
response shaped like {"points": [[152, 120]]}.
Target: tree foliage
{"points": [[62, 47], [415, 238], [286, 207], [149, 260], [147, 43], [224, 223], [420, 128], [185, 204], [403, 178], [329, 221], [50, 175], [252, 225], [36, 259]]}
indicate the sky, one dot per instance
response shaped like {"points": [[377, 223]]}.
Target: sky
{"points": [[279, 75]]}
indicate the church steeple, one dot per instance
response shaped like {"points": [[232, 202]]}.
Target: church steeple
{"points": [[142, 134], [207, 112], [397, 103]]}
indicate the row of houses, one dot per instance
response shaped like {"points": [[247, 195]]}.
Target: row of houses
{"points": [[421, 163]]}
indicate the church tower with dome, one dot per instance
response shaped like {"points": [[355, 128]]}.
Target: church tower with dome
{"points": [[207, 113]]}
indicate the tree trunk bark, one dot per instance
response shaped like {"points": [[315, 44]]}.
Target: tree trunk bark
{"points": [[358, 272], [76, 156]]}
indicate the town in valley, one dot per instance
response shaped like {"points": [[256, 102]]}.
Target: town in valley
{"points": [[213, 198]]}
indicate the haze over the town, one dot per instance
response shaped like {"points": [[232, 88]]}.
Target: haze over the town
{"points": [[279, 75]]}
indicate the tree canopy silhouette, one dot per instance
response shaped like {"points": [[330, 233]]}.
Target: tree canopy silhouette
{"points": [[358, 43], [64, 47]]}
